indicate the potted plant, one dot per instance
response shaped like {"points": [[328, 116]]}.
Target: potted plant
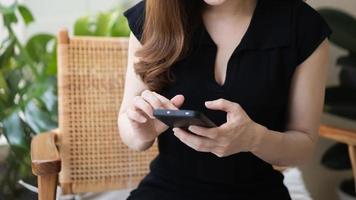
{"points": [[341, 100], [105, 24], [28, 88], [27, 97]]}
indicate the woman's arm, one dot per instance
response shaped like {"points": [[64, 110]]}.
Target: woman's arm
{"points": [[138, 127], [241, 134], [296, 145], [133, 87]]}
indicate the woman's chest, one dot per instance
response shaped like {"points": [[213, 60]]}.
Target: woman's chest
{"points": [[253, 78]]}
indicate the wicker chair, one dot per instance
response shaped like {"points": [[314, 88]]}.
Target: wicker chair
{"points": [[86, 149]]}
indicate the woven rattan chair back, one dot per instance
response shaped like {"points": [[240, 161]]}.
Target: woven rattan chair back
{"points": [[90, 86]]}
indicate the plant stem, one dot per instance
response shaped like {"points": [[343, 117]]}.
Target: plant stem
{"points": [[23, 51]]}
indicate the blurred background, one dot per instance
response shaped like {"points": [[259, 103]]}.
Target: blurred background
{"points": [[28, 97]]}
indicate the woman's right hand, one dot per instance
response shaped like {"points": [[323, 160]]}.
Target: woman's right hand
{"points": [[140, 113]]}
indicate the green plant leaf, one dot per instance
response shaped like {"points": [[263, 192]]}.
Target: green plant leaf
{"points": [[31, 101], [13, 78], [348, 186], [85, 25], [337, 157], [120, 28], [14, 131], [349, 61], [32, 91], [26, 14], [37, 47], [10, 18], [8, 9], [37, 119], [341, 101], [111, 23], [51, 68], [4, 89], [49, 98], [8, 13], [6, 52], [105, 22], [339, 95], [343, 26]]}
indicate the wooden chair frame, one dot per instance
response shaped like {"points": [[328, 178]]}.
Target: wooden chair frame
{"points": [[345, 136], [47, 149], [46, 163]]}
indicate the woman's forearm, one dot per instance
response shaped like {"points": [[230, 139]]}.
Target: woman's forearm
{"points": [[283, 149], [129, 136]]}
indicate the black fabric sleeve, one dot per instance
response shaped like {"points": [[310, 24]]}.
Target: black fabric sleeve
{"points": [[311, 31], [136, 18]]}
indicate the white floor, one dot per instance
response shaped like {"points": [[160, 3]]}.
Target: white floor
{"points": [[295, 184]]}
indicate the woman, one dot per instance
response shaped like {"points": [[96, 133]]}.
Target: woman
{"points": [[257, 68]]}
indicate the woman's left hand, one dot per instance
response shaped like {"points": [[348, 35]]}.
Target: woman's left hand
{"points": [[238, 134]]}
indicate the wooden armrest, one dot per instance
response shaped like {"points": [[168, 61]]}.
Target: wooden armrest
{"points": [[338, 134], [44, 154]]}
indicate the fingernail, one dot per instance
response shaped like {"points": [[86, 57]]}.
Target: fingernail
{"points": [[174, 129], [207, 102]]}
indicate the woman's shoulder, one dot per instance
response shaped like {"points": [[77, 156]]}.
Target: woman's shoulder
{"points": [[303, 11], [298, 13], [135, 16], [310, 29], [297, 23], [298, 8], [307, 28], [136, 8]]}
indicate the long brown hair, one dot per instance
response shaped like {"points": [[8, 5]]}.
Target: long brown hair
{"points": [[166, 38]]}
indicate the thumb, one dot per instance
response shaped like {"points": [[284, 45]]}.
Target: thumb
{"points": [[178, 100], [220, 104]]}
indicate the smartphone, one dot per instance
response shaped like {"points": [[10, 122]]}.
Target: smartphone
{"points": [[182, 118]]}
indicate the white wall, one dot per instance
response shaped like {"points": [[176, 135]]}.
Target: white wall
{"points": [[52, 15]]}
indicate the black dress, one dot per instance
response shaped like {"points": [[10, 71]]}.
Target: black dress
{"points": [[281, 35]]}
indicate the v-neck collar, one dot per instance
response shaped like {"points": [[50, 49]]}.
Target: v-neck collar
{"points": [[269, 27]]}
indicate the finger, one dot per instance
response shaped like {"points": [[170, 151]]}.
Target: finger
{"points": [[211, 133], [221, 104], [175, 103], [166, 103], [160, 97], [178, 100], [136, 116], [151, 99], [144, 106], [196, 142]]}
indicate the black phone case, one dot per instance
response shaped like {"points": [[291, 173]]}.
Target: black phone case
{"points": [[182, 118]]}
